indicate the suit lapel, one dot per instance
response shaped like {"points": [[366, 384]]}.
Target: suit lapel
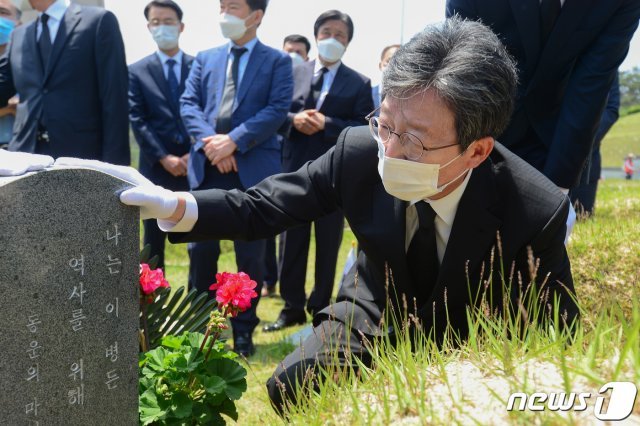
{"points": [[67, 25], [570, 16], [32, 44], [338, 85], [156, 70], [473, 233], [258, 55]]}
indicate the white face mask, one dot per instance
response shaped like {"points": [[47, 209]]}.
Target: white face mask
{"points": [[232, 27], [411, 180], [331, 49], [165, 36], [296, 59]]}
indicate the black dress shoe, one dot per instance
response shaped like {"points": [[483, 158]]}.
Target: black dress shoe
{"points": [[285, 321], [243, 344]]}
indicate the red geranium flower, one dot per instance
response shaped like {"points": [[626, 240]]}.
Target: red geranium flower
{"points": [[234, 291], [151, 280]]}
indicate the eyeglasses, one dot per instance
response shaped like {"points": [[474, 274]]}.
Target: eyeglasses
{"points": [[412, 146]]}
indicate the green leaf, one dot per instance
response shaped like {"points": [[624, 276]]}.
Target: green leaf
{"points": [[232, 373], [195, 339], [213, 384], [151, 410], [145, 253], [181, 405], [228, 407], [153, 262], [172, 342], [206, 415]]}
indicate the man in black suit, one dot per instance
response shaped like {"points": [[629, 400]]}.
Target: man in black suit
{"points": [[155, 85], [567, 53], [328, 97], [427, 191], [69, 69]]}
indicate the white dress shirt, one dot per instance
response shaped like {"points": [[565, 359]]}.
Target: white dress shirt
{"points": [[56, 14], [177, 68], [445, 208], [327, 81]]}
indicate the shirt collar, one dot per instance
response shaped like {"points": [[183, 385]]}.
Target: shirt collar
{"points": [[446, 207], [333, 69], [164, 57], [248, 45], [57, 9]]}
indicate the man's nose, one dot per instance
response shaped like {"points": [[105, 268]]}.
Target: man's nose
{"points": [[393, 147]]}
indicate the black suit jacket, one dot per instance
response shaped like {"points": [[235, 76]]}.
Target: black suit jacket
{"points": [[563, 85], [504, 194], [155, 119], [81, 98], [347, 103]]}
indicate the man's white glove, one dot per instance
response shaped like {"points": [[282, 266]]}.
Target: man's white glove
{"points": [[125, 173], [19, 163], [155, 202]]}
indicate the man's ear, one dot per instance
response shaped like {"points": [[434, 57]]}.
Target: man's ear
{"points": [[478, 151], [259, 14], [181, 27]]}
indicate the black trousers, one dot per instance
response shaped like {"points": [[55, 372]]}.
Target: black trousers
{"points": [[249, 257], [156, 238], [328, 233], [331, 344]]}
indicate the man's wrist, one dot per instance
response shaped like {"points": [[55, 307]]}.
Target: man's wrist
{"points": [[178, 213]]}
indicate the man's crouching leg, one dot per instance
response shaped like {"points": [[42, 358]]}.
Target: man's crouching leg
{"points": [[330, 346]]}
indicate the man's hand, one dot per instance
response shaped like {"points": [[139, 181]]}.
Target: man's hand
{"points": [[154, 201], [185, 161], [174, 165], [19, 163], [227, 165], [307, 122], [11, 107], [218, 147]]}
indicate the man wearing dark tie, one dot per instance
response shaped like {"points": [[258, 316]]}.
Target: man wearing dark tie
{"points": [[568, 53], [69, 69], [155, 85], [328, 97], [236, 98]]}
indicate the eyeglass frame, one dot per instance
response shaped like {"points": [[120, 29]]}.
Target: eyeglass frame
{"points": [[371, 116]]}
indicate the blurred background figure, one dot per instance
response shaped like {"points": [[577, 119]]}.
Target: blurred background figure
{"points": [[568, 53], [385, 57], [297, 46], [69, 68], [328, 97], [583, 196], [236, 98], [155, 85], [628, 167], [10, 14]]}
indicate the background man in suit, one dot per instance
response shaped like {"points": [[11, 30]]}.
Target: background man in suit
{"points": [[328, 96], [69, 68], [9, 18], [568, 53], [155, 85], [236, 98], [385, 57], [297, 46]]}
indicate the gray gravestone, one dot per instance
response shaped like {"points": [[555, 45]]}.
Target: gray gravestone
{"points": [[69, 307]]}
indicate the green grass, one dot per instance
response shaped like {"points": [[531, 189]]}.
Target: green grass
{"points": [[623, 138], [473, 381]]}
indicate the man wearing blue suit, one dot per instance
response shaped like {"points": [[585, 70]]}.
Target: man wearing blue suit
{"points": [[155, 85], [568, 53], [69, 68], [236, 98], [328, 97]]}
